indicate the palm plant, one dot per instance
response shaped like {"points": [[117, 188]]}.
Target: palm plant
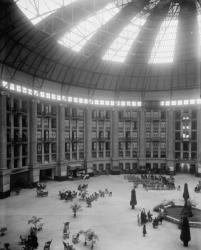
{"points": [[75, 208], [90, 236], [34, 220]]}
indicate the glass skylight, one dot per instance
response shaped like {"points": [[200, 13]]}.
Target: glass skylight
{"points": [[199, 24], [121, 45], [79, 35], [163, 50], [37, 10]]}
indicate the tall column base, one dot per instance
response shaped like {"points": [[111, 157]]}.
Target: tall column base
{"points": [[171, 166], [142, 162], [4, 184], [61, 172], [115, 169], [198, 169], [34, 175]]}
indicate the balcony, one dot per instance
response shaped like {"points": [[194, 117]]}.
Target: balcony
{"points": [[17, 110]]}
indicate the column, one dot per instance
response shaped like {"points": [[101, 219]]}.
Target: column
{"points": [[88, 138], [115, 140], [198, 165], [4, 172], [34, 168], [142, 139], [170, 140], [61, 171]]}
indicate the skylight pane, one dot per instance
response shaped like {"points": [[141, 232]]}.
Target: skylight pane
{"points": [[122, 44], [199, 24], [79, 35], [37, 10], [163, 50]]}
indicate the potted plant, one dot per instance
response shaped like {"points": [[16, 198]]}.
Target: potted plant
{"points": [[75, 208], [34, 221], [90, 236]]}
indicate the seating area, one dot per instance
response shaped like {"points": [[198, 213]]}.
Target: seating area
{"points": [[109, 216], [152, 182]]}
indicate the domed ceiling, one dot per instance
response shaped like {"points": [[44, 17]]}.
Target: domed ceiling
{"points": [[118, 45]]}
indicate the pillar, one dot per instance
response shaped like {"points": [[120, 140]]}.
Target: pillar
{"points": [[198, 165], [115, 141], [170, 140], [34, 168], [4, 172], [61, 171], [88, 138], [142, 139]]}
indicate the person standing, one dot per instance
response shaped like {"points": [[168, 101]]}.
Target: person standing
{"points": [[185, 235], [144, 231]]}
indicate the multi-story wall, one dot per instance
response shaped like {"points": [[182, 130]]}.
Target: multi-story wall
{"points": [[45, 138]]}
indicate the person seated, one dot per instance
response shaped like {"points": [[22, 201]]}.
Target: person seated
{"points": [[149, 216], [155, 223]]}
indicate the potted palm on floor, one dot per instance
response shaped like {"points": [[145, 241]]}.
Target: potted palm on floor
{"points": [[90, 236], [76, 207]]}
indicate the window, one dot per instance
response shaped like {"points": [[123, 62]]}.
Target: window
{"points": [[67, 147], [67, 135], [54, 110], [24, 121], [120, 47], [177, 146], [194, 146], [46, 109], [120, 145], [177, 135], [128, 134], [194, 125], [74, 147], [194, 135], [163, 154], [81, 33], [163, 50], [177, 125], [134, 125], [16, 120], [54, 147], [155, 154], [46, 123], [74, 135], [54, 123], [67, 112], [185, 146], [46, 148], [163, 115], [36, 11], [67, 123], [177, 115], [94, 145], [128, 145], [177, 155], [148, 154], [194, 114]]}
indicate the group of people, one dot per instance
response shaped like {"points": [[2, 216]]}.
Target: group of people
{"points": [[144, 217], [67, 195], [96, 195], [31, 242]]}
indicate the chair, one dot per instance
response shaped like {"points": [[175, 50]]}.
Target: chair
{"points": [[47, 245], [40, 227], [3, 231]]}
